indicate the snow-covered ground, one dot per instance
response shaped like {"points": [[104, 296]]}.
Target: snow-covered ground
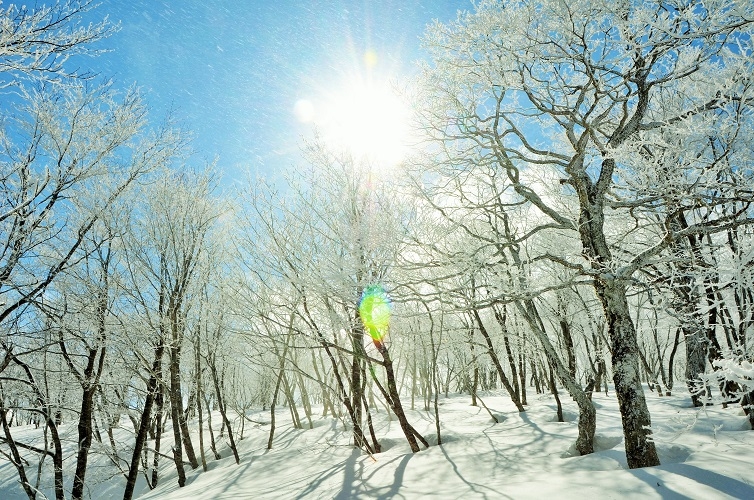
{"points": [[706, 453]]}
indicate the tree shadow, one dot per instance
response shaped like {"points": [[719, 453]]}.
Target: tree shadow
{"points": [[355, 484], [475, 487], [718, 482], [397, 478], [347, 467]]}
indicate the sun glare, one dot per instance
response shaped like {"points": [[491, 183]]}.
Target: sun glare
{"points": [[370, 121]]}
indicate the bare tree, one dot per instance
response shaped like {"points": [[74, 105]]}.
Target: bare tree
{"points": [[610, 103], [37, 42], [67, 156], [168, 254]]}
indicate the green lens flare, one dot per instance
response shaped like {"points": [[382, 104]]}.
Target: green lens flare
{"points": [[374, 310]]}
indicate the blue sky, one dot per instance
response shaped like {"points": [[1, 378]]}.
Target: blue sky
{"points": [[233, 70]]}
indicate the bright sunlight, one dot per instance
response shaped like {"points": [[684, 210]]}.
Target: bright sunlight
{"points": [[369, 120]]}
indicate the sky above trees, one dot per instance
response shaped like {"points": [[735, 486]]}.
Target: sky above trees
{"points": [[233, 72]]}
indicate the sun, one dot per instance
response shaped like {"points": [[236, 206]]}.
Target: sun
{"points": [[369, 120]]}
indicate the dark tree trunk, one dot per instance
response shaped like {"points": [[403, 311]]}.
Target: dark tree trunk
{"points": [[565, 330], [501, 317], [375, 443], [15, 456], [493, 356], [85, 441], [176, 408], [141, 433], [274, 401], [212, 445], [696, 362], [535, 377], [159, 402], [475, 380], [358, 432], [198, 368], [356, 395], [637, 424], [394, 398], [222, 407], [554, 390], [175, 412], [522, 377]]}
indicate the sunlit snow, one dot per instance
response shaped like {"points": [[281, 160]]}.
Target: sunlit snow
{"points": [[705, 453]]}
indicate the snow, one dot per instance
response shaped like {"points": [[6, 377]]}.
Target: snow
{"points": [[705, 453]]}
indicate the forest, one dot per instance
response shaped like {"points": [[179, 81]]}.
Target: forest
{"points": [[574, 218]]}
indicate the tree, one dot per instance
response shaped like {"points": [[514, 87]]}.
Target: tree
{"points": [[36, 43], [333, 238], [168, 250], [81, 320], [68, 154], [476, 248], [628, 107]]}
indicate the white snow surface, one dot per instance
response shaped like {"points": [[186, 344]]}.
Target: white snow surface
{"points": [[705, 453]]}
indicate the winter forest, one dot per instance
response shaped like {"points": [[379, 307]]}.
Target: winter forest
{"points": [[563, 261]]}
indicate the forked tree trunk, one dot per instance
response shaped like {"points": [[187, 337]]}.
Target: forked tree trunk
{"points": [[496, 361], [178, 416], [141, 433], [175, 415], [222, 407], [394, 399], [587, 413]]}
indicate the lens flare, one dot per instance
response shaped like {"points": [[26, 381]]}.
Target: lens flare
{"points": [[374, 309]]}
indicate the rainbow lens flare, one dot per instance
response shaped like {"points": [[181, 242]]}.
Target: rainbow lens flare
{"points": [[374, 309]]}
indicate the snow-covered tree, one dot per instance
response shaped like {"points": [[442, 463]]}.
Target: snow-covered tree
{"points": [[639, 110]]}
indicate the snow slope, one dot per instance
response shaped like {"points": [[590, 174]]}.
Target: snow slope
{"points": [[705, 453]]}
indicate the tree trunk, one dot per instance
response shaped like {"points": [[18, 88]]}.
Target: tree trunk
{"points": [[159, 402], [565, 330], [502, 317], [554, 390], [358, 433], [15, 457], [141, 433], [587, 413], [223, 413], [290, 399], [175, 415], [274, 401], [491, 351], [356, 395], [394, 398], [85, 441], [198, 368], [176, 406], [212, 445], [475, 381], [696, 361], [522, 376], [375, 443], [637, 424]]}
